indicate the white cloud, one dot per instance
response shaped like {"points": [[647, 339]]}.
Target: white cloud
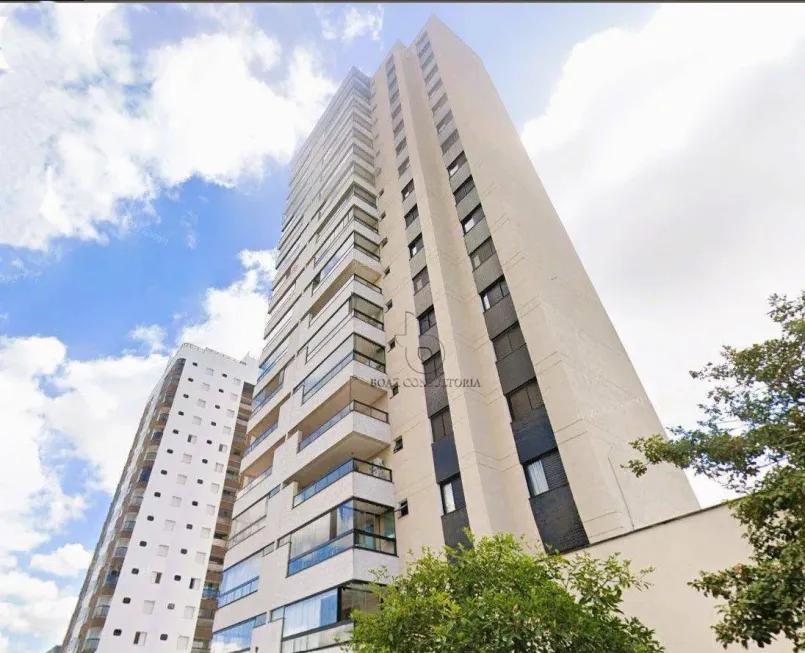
{"points": [[30, 605], [83, 150], [68, 560], [152, 336], [234, 315], [351, 23], [673, 155]]}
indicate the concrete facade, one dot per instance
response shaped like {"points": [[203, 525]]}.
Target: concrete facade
{"points": [[436, 358], [170, 515]]}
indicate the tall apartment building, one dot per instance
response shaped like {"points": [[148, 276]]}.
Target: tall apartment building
{"points": [[435, 358], [153, 579]]}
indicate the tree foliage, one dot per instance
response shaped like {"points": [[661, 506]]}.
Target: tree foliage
{"points": [[496, 597], [752, 439]]}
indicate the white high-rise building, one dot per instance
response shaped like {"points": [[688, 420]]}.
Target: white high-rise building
{"points": [[153, 581]]}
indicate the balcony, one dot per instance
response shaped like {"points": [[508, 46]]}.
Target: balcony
{"points": [[348, 262], [254, 483], [127, 526], [90, 644], [352, 406], [353, 465], [260, 438], [120, 552], [329, 428], [354, 539], [318, 639]]}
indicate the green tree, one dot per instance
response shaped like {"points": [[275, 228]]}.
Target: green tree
{"points": [[496, 597], [752, 440]]}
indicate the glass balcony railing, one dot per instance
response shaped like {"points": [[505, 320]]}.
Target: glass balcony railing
{"points": [[128, 525], [246, 533], [120, 552], [269, 365], [91, 644], [265, 396], [249, 587], [349, 540], [260, 438], [317, 640], [352, 406], [254, 482], [352, 465], [100, 612], [209, 593]]}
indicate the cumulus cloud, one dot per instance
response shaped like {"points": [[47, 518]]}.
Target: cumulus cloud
{"points": [[673, 155], [92, 132], [153, 337], [30, 605], [234, 316], [350, 23], [68, 560]]}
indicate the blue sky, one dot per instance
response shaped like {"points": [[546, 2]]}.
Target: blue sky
{"points": [[144, 170]]}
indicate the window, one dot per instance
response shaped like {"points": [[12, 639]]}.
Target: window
{"points": [[400, 147], [219, 467], [482, 253], [398, 444], [171, 606], [475, 216], [427, 320], [230, 412], [205, 386], [421, 280], [205, 533], [214, 488], [430, 75], [395, 390], [398, 128], [459, 161], [415, 246], [412, 215], [191, 439], [194, 583], [181, 479], [148, 607], [508, 341], [162, 550], [210, 509], [448, 499], [402, 508], [441, 425], [535, 475], [439, 104], [236, 381], [201, 403], [222, 448], [169, 524], [427, 61], [117, 632], [394, 97], [126, 600], [392, 344], [233, 396], [494, 293], [396, 111], [189, 527], [150, 518], [435, 88], [409, 188], [135, 571], [163, 637], [448, 143], [403, 167], [433, 368], [196, 420], [177, 578], [182, 643], [464, 190], [164, 472], [189, 612], [524, 400], [187, 458], [139, 638], [209, 371], [444, 122]]}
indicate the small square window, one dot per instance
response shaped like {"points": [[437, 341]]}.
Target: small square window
{"points": [[209, 441], [187, 458], [195, 364], [143, 543], [191, 439], [398, 444], [135, 571], [201, 557], [169, 524], [219, 467], [201, 404], [196, 420], [222, 448], [402, 508], [177, 578], [139, 638], [210, 509], [171, 606], [117, 632], [389, 304], [149, 518], [183, 551], [170, 450], [186, 396], [205, 533], [392, 343], [189, 527], [157, 494], [209, 371], [164, 472], [156, 577], [194, 583], [126, 600], [163, 637], [395, 390], [195, 503], [148, 607], [176, 501], [181, 479], [230, 412], [182, 643], [189, 612], [214, 488], [162, 550]]}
